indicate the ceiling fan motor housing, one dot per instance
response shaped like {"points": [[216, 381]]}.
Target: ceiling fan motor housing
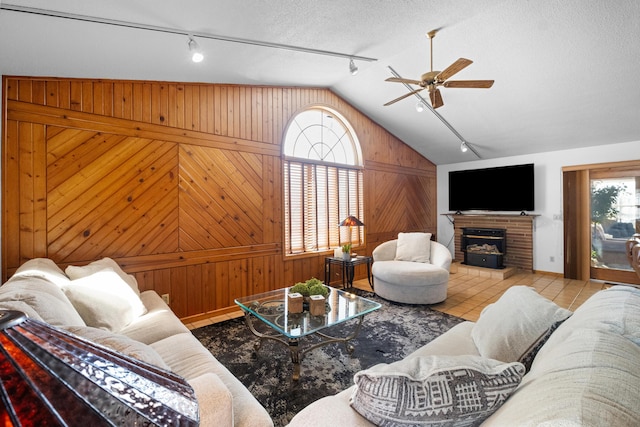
{"points": [[429, 78]]}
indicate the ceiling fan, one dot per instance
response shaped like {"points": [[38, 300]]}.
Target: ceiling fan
{"points": [[433, 79]]}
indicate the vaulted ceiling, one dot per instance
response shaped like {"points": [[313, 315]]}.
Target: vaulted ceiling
{"points": [[567, 72]]}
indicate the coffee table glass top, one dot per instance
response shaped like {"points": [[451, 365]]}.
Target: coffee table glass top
{"points": [[271, 308]]}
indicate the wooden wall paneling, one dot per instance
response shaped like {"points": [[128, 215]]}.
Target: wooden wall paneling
{"points": [[87, 97], [200, 109], [38, 94], [223, 291], [52, 88], [171, 111], [210, 180], [256, 115], [134, 188], [272, 199], [26, 188], [75, 95], [208, 288], [69, 149], [24, 90], [145, 103], [188, 107], [119, 109], [194, 289], [98, 102], [203, 270], [155, 104], [40, 190], [11, 194], [256, 275], [179, 292]]}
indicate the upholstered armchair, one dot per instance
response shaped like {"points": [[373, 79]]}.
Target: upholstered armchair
{"points": [[412, 269]]}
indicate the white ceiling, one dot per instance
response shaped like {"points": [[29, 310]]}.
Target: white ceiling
{"points": [[567, 72]]}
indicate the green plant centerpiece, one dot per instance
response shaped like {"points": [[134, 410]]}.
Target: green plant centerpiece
{"points": [[312, 286]]}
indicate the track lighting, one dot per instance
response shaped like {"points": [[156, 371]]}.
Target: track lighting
{"points": [[419, 107], [194, 49], [463, 147], [353, 69]]}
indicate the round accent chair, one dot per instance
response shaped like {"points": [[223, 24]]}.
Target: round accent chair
{"points": [[412, 269]]}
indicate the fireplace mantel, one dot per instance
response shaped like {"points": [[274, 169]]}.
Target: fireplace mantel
{"points": [[519, 235]]}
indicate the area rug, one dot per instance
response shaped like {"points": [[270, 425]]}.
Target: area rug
{"points": [[387, 335]]}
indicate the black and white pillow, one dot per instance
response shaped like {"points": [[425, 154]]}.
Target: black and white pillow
{"points": [[434, 390]]}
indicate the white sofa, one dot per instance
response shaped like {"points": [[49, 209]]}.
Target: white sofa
{"points": [[103, 304], [584, 372], [412, 269]]}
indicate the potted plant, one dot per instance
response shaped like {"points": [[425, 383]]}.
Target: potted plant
{"points": [[312, 286], [346, 251]]}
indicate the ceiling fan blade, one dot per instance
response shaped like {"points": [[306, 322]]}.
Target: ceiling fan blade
{"points": [[401, 80], [479, 84], [436, 98], [452, 69], [406, 95]]}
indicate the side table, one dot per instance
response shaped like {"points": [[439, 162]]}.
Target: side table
{"points": [[347, 267]]}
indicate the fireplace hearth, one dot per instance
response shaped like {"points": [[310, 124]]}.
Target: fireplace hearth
{"points": [[484, 247]]}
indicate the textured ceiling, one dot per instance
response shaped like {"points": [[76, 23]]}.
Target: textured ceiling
{"points": [[566, 71]]}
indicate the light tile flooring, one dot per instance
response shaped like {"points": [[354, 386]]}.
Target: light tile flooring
{"points": [[470, 291]]}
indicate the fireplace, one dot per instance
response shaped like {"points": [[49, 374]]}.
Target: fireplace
{"points": [[484, 247]]}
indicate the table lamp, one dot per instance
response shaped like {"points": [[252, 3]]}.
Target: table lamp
{"points": [[351, 221]]}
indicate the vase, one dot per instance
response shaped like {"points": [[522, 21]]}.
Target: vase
{"points": [[346, 256]]}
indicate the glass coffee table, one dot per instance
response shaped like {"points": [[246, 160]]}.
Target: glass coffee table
{"points": [[271, 309]]}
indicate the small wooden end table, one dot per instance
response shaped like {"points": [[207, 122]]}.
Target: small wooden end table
{"points": [[347, 266]]}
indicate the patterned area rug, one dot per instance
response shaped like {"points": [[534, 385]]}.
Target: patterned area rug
{"points": [[387, 335]]}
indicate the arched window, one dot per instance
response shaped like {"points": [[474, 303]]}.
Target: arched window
{"points": [[323, 176]]}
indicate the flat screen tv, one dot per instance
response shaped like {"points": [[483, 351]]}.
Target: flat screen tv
{"points": [[505, 188]]}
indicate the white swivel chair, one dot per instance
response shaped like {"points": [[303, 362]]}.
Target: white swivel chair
{"points": [[412, 269]]}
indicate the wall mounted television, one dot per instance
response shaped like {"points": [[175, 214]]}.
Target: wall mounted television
{"points": [[504, 188]]}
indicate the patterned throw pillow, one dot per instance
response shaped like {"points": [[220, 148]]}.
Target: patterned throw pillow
{"points": [[434, 390]]}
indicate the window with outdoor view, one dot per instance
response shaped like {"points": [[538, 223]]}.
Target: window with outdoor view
{"points": [[323, 176]]}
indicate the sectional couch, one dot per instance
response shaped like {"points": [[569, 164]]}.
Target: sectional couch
{"points": [[525, 362], [102, 303]]}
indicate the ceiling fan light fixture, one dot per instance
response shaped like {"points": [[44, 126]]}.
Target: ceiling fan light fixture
{"points": [[353, 68], [420, 107], [463, 147], [194, 49]]}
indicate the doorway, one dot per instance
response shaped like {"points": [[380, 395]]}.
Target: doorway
{"points": [[602, 211], [615, 218]]}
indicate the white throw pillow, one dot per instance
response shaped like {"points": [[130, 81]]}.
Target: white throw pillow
{"points": [[414, 247], [434, 390], [104, 300], [515, 327], [75, 272], [42, 267], [44, 297]]}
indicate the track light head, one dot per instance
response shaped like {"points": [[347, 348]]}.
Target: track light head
{"points": [[463, 147], [420, 107], [353, 69], [194, 49]]}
